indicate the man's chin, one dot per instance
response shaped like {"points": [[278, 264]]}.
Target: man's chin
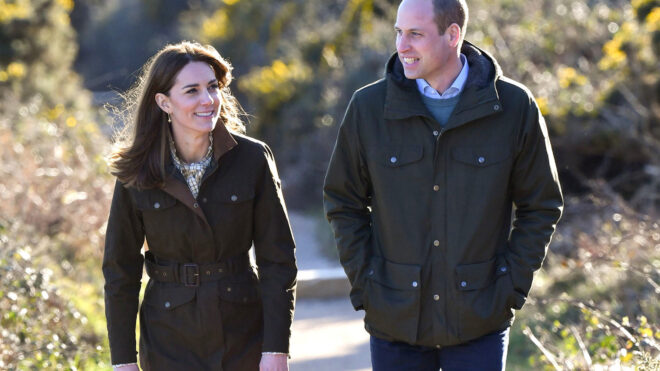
{"points": [[411, 75]]}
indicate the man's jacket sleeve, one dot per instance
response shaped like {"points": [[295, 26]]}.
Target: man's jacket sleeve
{"points": [[537, 198], [122, 268], [346, 199]]}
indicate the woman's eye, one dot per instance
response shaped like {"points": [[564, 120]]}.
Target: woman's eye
{"points": [[191, 91], [214, 86]]}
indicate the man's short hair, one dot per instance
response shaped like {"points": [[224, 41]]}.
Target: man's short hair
{"points": [[450, 11]]}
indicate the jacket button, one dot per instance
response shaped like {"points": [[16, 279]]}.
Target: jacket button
{"points": [[481, 160], [436, 297], [234, 198], [436, 243], [167, 304], [496, 107], [436, 187], [195, 205], [463, 284], [371, 272], [438, 346], [503, 269], [228, 289], [436, 133], [156, 205], [414, 283], [393, 159]]}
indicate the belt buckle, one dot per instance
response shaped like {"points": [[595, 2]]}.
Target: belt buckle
{"points": [[194, 282]]}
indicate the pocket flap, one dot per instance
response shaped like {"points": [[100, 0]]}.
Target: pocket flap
{"points": [[394, 275], [168, 298], [154, 201], [239, 292], [400, 156], [475, 276], [236, 195], [481, 156]]}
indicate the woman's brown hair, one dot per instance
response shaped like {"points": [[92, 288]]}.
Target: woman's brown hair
{"points": [[141, 146]]}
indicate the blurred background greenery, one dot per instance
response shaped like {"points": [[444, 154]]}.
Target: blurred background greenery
{"points": [[592, 64]]}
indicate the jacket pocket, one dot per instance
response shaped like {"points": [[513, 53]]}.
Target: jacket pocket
{"points": [[239, 292], [154, 200], [168, 298], [481, 156], [241, 310], [235, 195], [391, 164], [392, 296], [230, 209], [398, 156], [485, 295]]}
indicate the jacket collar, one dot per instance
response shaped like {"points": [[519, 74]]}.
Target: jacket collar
{"points": [[479, 96], [223, 142]]}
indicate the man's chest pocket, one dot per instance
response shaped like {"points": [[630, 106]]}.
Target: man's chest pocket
{"points": [[397, 163]]}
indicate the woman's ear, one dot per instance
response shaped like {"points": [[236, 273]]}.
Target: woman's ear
{"points": [[163, 101]]}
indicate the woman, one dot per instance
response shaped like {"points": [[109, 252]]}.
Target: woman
{"points": [[201, 194]]}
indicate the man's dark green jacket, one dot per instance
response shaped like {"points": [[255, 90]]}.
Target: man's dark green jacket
{"points": [[422, 214]]}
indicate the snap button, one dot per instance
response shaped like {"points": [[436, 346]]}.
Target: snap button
{"points": [[496, 107], [228, 289], [503, 269], [463, 284], [436, 243], [438, 346], [156, 205], [167, 304], [371, 272], [234, 198], [414, 283], [435, 133], [195, 205], [481, 159], [436, 297], [436, 187], [393, 159]]}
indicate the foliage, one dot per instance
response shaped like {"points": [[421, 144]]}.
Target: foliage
{"points": [[54, 193], [595, 301], [41, 328]]}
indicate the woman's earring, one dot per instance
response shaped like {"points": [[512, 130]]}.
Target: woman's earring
{"points": [[169, 118]]}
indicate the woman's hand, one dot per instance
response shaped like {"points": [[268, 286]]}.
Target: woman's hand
{"points": [[274, 362], [129, 367]]}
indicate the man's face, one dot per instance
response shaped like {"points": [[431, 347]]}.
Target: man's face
{"points": [[423, 51]]}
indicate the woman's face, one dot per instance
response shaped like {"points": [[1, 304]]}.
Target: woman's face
{"points": [[193, 101]]}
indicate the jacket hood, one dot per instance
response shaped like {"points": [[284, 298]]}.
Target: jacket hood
{"points": [[483, 68]]}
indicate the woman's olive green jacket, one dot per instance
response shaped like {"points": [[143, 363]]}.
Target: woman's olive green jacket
{"points": [[422, 213], [209, 324]]}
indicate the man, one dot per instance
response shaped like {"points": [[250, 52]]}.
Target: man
{"points": [[428, 165]]}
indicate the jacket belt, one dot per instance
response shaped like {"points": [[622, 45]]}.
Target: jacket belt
{"points": [[192, 274]]}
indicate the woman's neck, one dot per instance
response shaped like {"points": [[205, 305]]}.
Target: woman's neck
{"points": [[191, 148]]}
